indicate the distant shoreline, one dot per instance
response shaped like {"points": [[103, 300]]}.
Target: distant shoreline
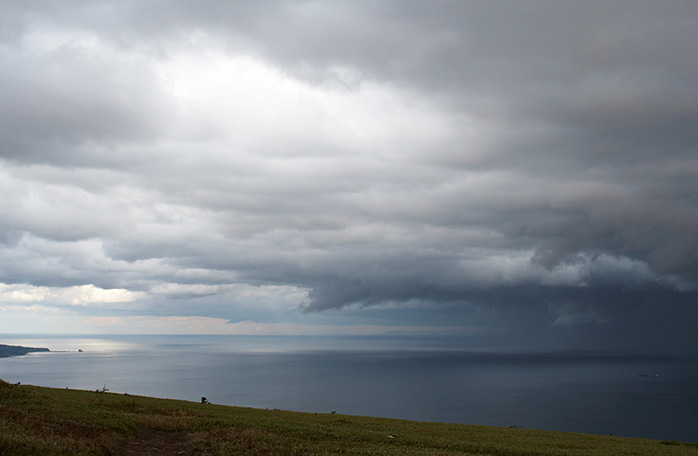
{"points": [[16, 350]]}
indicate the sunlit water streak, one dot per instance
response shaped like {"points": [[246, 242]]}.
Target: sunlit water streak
{"points": [[421, 379]]}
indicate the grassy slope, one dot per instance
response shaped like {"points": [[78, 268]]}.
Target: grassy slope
{"points": [[47, 421]]}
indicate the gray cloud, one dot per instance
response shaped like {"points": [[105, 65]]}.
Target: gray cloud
{"points": [[456, 154]]}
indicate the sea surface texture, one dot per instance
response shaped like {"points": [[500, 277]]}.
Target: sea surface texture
{"points": [[425, 379]]}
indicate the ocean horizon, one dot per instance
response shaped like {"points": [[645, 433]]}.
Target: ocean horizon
{"points": [[405, 377]]}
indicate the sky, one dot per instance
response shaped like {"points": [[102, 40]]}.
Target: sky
{"points": [[512, 174]]}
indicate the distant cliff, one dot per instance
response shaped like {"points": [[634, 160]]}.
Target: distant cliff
{"points": [[12, 350]]}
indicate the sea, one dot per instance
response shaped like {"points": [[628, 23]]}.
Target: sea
{"points": [[414, 378]]}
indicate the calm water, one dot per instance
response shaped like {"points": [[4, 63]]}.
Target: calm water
{"points": [[418, 379]]}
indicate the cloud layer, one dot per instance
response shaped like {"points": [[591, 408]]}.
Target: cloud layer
{"points": [[342, 155]]}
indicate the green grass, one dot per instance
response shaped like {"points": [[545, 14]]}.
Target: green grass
{"points": [[46, 421]]}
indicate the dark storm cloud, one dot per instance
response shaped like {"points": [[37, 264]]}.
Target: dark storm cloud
{"points": [[540, 154]]}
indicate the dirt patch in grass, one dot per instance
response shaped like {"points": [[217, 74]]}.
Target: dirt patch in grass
{"points": [[153, 442]]}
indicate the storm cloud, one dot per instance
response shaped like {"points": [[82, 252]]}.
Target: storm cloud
{"points": [[353, 163]]}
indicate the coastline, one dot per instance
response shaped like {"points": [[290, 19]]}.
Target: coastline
{"points": [[7, 351]]}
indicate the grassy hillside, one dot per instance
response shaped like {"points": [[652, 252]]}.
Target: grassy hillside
{"points": [[48, 421]]}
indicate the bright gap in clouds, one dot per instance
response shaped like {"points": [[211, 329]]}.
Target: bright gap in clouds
{"points": [[255, 110]]}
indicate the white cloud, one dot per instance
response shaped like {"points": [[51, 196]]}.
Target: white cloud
{"points": [[84, 295]]}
